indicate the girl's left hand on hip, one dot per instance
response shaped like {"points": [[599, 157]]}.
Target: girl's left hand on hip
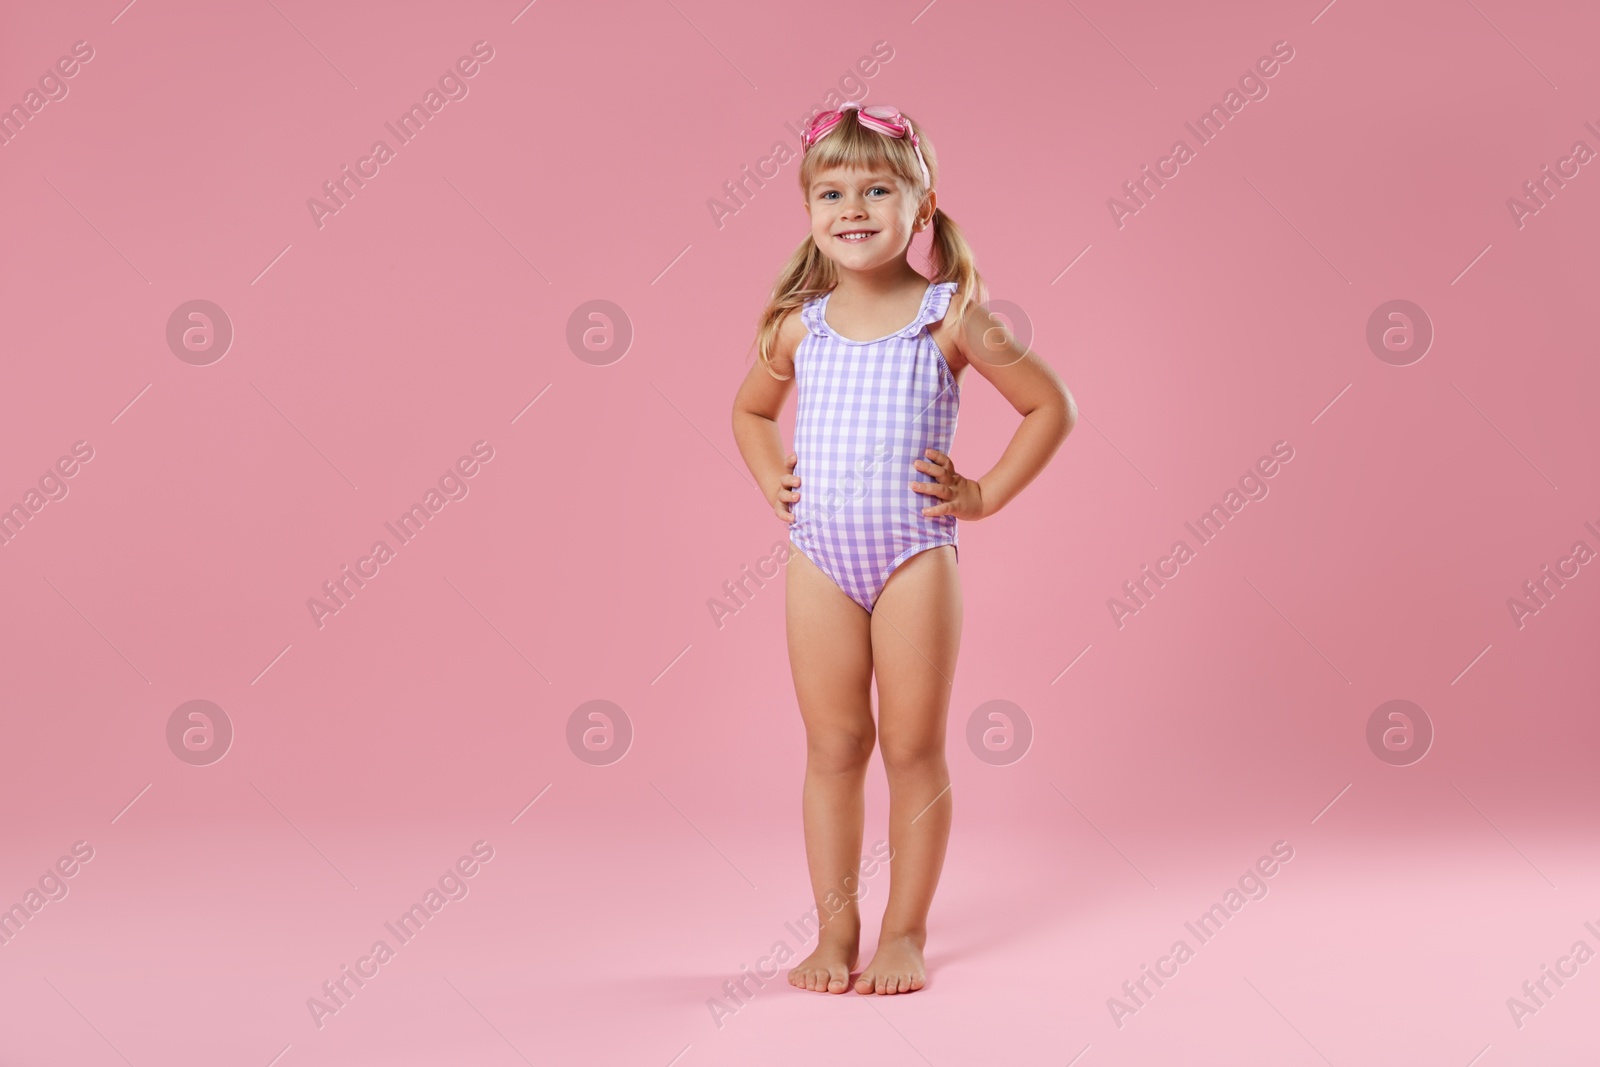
{"points": [[958, 496]]}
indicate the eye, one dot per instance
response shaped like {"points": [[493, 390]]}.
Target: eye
{"points": [[829, 194]]}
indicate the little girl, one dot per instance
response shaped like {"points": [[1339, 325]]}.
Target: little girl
{"points": [[872, 498]]}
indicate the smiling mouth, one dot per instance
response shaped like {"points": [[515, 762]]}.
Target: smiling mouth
{"points": [[856, 236]]}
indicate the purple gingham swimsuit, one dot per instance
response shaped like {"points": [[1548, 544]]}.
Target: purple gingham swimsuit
{"points": [[866, 410]]}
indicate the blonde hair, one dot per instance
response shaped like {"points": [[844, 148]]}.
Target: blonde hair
{"points": [[809, 273]]}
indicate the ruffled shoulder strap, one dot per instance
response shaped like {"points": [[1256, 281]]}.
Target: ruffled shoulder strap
{"points": [[811, 315], [934, 305]]}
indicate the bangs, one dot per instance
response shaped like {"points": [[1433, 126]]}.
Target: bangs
{"points": [[852, 146]]}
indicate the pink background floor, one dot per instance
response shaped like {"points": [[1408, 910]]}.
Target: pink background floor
{"points": [[371, 348]]}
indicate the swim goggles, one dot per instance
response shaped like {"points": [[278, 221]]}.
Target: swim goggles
{"points": [[882, 118]]}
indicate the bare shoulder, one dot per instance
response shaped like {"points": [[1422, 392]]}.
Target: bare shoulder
{"points": [[790, 332], [985, 343], [769, 381]]}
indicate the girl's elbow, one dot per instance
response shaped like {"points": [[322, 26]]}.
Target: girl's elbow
{"points": [[1069, 412]]}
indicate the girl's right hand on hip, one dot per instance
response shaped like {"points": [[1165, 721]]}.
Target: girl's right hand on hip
{"points": [[784, 497]]}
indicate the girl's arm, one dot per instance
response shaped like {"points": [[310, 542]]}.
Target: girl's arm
{"points": [[1032, 387], [755, 416]]}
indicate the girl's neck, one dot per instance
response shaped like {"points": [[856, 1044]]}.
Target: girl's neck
{"points": [[881, 282]]}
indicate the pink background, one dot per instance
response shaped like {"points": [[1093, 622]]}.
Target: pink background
{"points": [[1228, 314]]}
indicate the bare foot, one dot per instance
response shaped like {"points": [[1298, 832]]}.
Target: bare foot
{"points": [[896, 967], [827, 970]]}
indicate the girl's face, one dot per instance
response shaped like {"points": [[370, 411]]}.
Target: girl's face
{"points": [[862, 219]]}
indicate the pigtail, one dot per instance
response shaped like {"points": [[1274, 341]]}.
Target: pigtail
{"points": [[954, 261], [808, 274]]}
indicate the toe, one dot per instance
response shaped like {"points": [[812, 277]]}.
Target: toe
{"points": [[838, 981], [864, 984], [881, 984]]}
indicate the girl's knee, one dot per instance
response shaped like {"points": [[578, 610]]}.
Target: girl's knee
{"points": [[912, 755], [840, 751]]}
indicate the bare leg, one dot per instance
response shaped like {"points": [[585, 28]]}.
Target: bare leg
{"points": [[830, 656], [916, 636]]}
